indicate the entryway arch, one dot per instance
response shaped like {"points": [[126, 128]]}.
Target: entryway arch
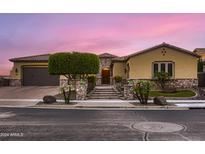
{"points": [[105, 74]]}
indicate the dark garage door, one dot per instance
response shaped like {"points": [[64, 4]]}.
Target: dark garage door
{"points": [[39, 76]]}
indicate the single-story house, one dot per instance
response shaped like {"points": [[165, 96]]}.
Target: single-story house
{"points": [[180, 63]]}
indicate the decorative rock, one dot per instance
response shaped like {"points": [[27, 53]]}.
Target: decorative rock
{"points": [[161, 100], [49, 99]]}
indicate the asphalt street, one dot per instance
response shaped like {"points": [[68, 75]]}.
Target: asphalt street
{"points": [[98, 125]]}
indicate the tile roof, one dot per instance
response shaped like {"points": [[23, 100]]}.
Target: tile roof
{"points": [[45, 57], [199, 50], [124, 58], [37, 58], [107, 55]]}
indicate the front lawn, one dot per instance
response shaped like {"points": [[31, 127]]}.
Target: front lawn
{"points": [[179, 93]]}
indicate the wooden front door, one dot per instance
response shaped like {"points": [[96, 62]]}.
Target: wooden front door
{"points": [[105, 76]]}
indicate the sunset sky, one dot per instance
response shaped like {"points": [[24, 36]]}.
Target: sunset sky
{"points": [[119, 34]]}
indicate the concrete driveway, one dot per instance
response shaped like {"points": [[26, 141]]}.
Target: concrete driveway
{"points": [[25, 96]]}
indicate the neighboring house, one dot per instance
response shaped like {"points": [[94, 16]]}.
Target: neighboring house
{"points": [[180, 63], [201, 52]]}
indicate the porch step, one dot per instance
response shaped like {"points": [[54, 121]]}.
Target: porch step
{"points": [[104, 92], [103, 97]]}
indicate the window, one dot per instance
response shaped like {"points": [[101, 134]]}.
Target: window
{"points": [[163, 67], [155, 68], [170, 69]]}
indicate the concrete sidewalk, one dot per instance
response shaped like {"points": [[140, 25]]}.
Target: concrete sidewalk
{"points": [[101, 103], [19, 102]]}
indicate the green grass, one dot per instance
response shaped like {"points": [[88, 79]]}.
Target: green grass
{"points": [[179, 93]]}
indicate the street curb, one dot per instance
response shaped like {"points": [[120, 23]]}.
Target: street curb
{"points": [[103, 100], [111, 107]]}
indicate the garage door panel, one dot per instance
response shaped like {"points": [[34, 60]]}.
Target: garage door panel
{"points": [[39, 76]]}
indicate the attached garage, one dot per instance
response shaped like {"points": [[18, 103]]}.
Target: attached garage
{"points": [[39, 76]]}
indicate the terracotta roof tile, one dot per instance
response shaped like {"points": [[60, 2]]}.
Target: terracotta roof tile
{"points": [[107, 55]]}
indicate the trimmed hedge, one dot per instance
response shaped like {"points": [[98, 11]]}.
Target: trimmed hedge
{"points": [[118, 79], [73, 63]]}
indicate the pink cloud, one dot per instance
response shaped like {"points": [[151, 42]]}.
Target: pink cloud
{"points": [[119, 34]]}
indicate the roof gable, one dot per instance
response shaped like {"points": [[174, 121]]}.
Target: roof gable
{"points": [[164, 45]]}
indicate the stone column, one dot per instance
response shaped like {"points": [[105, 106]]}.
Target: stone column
{"points": [[128, 92], [81, 89]]}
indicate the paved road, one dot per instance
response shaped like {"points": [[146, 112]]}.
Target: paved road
{"points": [[52, 124]]}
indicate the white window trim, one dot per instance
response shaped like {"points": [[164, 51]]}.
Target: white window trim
{"points": [[166, 67]]}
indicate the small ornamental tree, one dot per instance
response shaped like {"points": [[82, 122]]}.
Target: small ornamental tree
{"points": [[71, 65], [162, 78], [141, 91]]}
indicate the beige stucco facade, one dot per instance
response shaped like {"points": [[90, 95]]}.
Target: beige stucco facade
{"points": [[185, 65], [141, 65], [119, 69], [20, 65], [16, 71], [136, 66]]}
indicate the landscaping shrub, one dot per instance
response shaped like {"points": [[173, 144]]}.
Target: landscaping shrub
{"points": [[142, 90], [72, 64], [91, 82], [162, 78], [118, 79]]}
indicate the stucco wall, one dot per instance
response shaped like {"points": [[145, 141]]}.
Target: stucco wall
{"points": [[119, 69], [19, 66], [141, 65]]}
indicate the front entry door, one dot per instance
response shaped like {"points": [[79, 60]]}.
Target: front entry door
{"points": [[105, 76]]}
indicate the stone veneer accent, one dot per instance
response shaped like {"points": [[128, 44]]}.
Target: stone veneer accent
{"points": [[15, 82], [104, 63], [81, 87], [183, 83], [177, 83], [128, 92]]}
